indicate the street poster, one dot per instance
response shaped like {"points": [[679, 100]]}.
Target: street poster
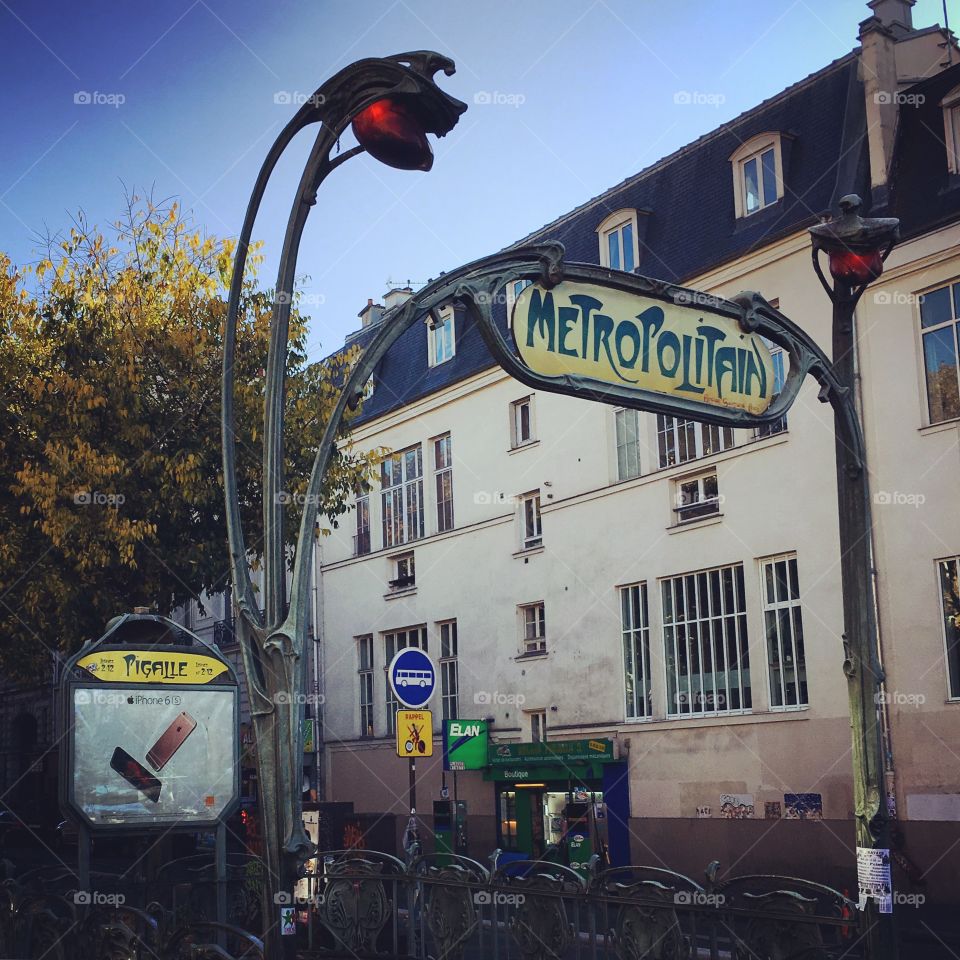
{"points": [[873, 878]]}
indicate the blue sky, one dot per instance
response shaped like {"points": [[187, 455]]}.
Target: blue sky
{"points": [[582, 95]]}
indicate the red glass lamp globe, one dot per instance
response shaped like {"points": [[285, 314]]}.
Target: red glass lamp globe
{"points": [[856, 267], [391, 132]]}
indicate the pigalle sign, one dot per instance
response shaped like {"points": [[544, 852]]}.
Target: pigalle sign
{"points": [[679, 349]]}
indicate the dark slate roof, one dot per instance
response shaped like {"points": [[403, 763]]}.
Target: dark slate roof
{"points": [[923, 192], [690, 218]]}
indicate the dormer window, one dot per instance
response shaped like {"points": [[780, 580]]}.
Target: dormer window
{"points": [[757, 174], [619, 249], [440, 336], [951, 128]]}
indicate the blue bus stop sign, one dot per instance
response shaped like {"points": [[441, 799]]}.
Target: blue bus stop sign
{"points": [[413, 677]]}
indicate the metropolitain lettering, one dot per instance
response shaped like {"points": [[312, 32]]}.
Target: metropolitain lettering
{"points": [[695, 362]]}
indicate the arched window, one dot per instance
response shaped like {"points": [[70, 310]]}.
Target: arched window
{"points": [[619, 246]]}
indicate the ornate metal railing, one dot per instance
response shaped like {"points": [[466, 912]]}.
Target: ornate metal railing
{"points": [[224, 632], [363, 904]]}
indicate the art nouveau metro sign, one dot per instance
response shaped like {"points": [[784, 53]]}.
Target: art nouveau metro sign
{"points": [[614, 336]]}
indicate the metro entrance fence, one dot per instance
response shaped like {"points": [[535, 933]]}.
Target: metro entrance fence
{"points": [[364, 904]]}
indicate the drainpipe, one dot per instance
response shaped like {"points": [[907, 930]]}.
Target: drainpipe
{"points": [[318, 779]]}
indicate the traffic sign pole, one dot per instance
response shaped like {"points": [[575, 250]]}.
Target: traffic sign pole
{"points": [[413, 786]]}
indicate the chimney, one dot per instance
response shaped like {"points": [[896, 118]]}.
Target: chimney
{"points": [[370, 314], [896, 15], [396, 296], [878, 73]]}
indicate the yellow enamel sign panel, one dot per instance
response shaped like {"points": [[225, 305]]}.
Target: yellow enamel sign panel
{"points": [[677, 349], [152, 666]]}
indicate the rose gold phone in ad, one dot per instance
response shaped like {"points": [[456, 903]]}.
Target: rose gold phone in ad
{"points": [[171, 740]]}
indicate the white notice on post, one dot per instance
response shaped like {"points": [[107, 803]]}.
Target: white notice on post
{"points": [[873, 877]]}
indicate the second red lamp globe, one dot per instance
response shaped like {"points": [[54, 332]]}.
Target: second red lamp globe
{"points": [[391, 132]]}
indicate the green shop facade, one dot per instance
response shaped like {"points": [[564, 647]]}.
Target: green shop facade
{"points": [[563, 800]]}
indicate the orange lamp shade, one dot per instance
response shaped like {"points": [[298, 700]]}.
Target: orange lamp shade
{"points": [[392, 133], [854, 268]]}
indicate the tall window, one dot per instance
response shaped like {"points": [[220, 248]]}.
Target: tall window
{"points": [[449, 672], [401, 478], [679, 440], [705, 642], [530, 517], [365, 676], [521, 422], [939, 312], [538, 725], [443, 478], [534, 624], [361, 540], [950, 608], [635, 629], [784, 627], [392, 643], [627, 426], [779, 378], [950, 105], [440, 335]]}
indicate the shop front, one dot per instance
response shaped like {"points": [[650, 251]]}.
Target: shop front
{"points": [[562, 800]]}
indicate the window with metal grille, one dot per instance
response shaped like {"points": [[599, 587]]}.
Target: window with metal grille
{"points": [[705, 642], [365, 677], [443, 478], [635, 631], [680, 441], [784, 627], [392, 642], [449, 671], [627, 426], [401, 478]]}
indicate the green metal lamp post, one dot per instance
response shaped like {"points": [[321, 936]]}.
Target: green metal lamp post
{"points": [[856, 249], [392, 104]]}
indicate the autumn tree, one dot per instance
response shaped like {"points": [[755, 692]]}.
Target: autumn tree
{"points": [[111, 493]]}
